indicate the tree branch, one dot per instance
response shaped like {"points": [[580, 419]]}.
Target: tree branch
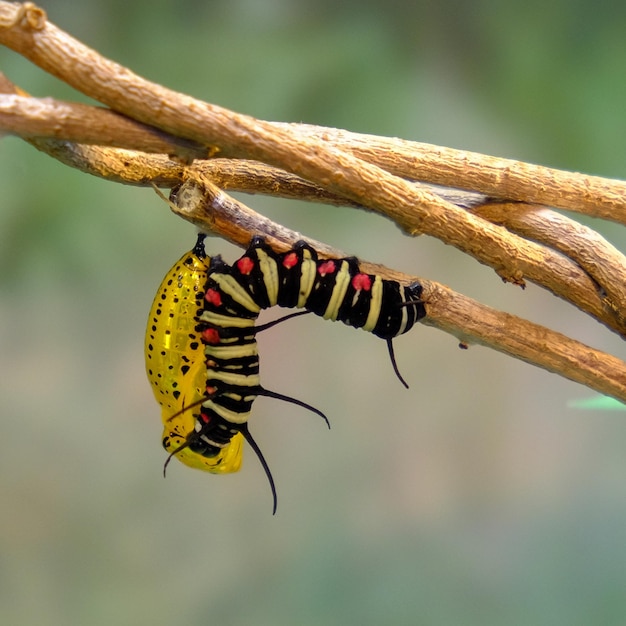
{"points": [[601, 261], [40, 121], [151, 134], [604, 198], [210, 208], [544, 266], [52, 119]]}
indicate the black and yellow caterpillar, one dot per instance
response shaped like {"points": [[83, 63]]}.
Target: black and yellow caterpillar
{"points": [[227, 307]]}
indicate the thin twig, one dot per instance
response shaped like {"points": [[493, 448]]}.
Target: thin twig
{"points": [[496, 177], [52, 119]]}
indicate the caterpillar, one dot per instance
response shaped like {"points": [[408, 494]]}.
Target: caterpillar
{"points": [[207, 396], [180, 373], [175, 363], [334, 289], [262, 278]]}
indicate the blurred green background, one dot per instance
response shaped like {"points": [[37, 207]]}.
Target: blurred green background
{"points": [[476, 497]]}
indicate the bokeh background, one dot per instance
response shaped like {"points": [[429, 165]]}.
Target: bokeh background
{"points": [[479, 496]]}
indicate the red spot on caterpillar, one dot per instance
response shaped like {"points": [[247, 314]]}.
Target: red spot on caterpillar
{"points": [[290, 260], [362, 282], [211, 336], [214, 297], [245, 265], [327, 267]]}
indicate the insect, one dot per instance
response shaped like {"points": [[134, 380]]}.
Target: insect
{"points": [[222, 382], [174, 357], [185, 374], [261, 278], [334, 289]]}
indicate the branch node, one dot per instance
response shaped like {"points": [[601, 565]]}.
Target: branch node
{"points": [[27, 15], [515, 277]]}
